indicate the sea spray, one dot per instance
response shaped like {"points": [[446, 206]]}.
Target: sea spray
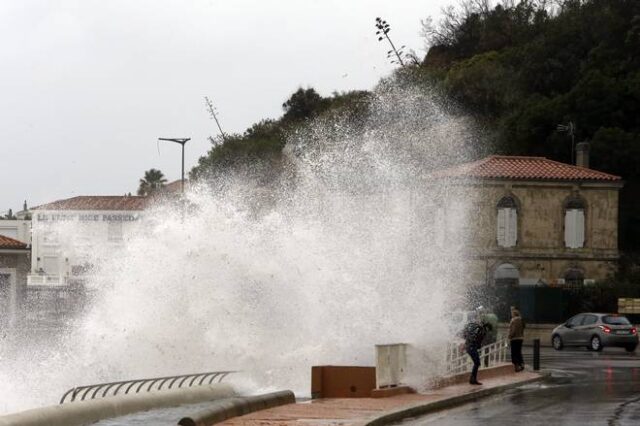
{"points": [[348, 244]]}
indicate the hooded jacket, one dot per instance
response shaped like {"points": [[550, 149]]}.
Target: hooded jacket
{"points": [[473, 334]]}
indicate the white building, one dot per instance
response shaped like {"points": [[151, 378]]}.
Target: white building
{"points": [[67, 233], [15, 239], [17, 229]]}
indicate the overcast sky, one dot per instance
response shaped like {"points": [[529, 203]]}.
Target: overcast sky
{"points": [[88, 86]]}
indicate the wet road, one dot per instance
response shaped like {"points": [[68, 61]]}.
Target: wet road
{"points": [[585, 388]]}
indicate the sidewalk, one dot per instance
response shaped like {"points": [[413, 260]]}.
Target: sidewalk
{"points": [[364, 411]]}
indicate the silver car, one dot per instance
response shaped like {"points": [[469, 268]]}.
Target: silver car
{"points": [[595, 331]]}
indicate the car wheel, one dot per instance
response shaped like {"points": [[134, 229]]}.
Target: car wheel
{"points": [[556, 342], [596, 344], [631, 348]]}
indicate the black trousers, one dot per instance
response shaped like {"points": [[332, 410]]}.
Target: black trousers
{"points": [[475, 357], [516, 352]]}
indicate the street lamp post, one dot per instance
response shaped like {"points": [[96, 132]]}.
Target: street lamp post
{"points": [[181, 141]]}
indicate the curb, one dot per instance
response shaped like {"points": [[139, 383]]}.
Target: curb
{"points": [[81, 413], [227, 408], [431, 407]]}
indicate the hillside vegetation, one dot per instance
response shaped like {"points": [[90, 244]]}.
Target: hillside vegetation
{"points": [[524, 67], [521, 68]]}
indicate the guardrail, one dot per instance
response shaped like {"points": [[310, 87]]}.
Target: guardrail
{"points": [[457, 360], [102, 390]]}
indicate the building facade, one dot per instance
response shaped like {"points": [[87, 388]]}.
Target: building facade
{"points": [[68, 234], [14, 267], [534, 221]]}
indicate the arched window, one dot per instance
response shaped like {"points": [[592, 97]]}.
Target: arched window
{"points": [[506, 278], [574, 277], [507, 222], [506, 275], [574, 223]]}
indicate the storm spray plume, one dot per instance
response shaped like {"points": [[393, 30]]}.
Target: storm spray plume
{"points": [[347, 247]]}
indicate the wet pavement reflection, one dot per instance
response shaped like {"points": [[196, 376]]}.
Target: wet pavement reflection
{"points": [[585, 388]]}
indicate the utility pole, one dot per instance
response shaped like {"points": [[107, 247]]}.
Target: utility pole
{"points": [[181, 141]]}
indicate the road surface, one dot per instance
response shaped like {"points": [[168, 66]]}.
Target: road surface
{"points": [[585, 388]]}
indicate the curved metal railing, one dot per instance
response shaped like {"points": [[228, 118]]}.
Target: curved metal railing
{"points": [[101, 390]]}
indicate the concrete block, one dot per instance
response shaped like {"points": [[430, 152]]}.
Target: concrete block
{"points": [[342, 381]]}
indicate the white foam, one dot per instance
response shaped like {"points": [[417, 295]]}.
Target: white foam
{"points": [[313, 267]]}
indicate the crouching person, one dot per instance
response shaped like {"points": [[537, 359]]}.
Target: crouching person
{"points": [[473, 334]]}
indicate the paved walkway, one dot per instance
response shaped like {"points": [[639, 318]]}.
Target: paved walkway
{"points": [[356, 411]]}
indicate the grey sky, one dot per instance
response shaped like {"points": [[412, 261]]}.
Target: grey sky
{"points": [[87, 86]]}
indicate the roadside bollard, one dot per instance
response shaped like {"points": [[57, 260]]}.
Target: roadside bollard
{"points": [[536, 354]]}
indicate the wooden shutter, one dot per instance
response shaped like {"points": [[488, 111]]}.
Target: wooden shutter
{"points": [[574, 228], [579, 228], [502, 227], [512, 227], [568, 228]]}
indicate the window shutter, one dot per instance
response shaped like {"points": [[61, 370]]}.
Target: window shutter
{"points": [[579, 235], [568, 228], [512, 235], [501, 228], [574, 228]]}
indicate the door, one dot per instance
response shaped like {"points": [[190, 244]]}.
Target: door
{"points": [[586, 329], [571, 332]]}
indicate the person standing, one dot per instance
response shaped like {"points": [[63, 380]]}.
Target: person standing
{"points": [[473, 335], [516, 336]]}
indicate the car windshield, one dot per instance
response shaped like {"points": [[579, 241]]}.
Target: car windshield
{"points": [[613, 320]]}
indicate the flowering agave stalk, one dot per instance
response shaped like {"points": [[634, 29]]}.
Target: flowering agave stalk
{"points": [[382, 33]]}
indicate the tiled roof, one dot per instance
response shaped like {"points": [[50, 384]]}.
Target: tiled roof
{"points": [[97, 202], [10, 243], [526, 168], [176, 186]]}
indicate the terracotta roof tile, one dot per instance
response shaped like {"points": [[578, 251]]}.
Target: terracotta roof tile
{"points": [[10, 243], [97, 202], [176, 186], [526, 168]]}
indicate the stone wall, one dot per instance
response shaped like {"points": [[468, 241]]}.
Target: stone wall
{"points": [[540, 253]]}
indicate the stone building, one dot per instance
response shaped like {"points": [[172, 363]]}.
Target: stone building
{"points": [[535, 221]]}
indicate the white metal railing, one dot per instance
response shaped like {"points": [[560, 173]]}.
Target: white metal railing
{"points": [[43, 279], [457, 360]]}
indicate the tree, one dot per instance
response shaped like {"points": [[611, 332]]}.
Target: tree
{"points": [[9, 215], [152, 181], [303, 104], [395, 55]]}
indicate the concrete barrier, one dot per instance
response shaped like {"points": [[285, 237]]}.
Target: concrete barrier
{"points": [[332, 381], [224, 409], [87, 412]]}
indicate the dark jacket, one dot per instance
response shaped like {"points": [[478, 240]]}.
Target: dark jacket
{"points": [[473, 335]]}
